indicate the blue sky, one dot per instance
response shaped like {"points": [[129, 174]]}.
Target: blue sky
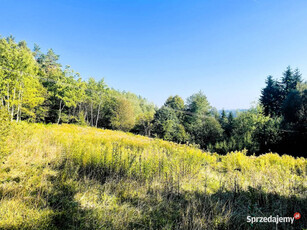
{"points": [[158, 48]]}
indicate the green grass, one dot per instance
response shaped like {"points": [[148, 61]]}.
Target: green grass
{"points": [[72, 177]]}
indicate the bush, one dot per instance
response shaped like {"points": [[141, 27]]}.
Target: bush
{"points": [[4, 128]]}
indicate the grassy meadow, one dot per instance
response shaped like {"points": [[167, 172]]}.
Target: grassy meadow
{"points": [[74, 177]]}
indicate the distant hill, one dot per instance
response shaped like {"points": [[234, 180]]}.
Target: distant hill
{"points": [[233, 111]]}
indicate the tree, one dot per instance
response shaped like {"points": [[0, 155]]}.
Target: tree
{"points": [[290, 80], [4, 128], [198, 104], [164, 120], [223, 119], [101, 90], [294, 122], [197, 108], [179, 134], [272, 97], [144, 123], [67, 92], [122, 115], [244, 127], [48, 62], [303, 109], [31, 100], [215, 113], [168, 126], [268, 134], [254, 131], [20, 89], [291, 106], [175, 102], [50, 73], [199, 121], [207, 132], [95, 93], [229, 126]]}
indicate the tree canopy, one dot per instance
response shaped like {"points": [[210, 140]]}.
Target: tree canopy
{"points": [[35, 87]]}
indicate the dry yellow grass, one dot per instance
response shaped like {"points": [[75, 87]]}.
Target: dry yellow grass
{"points": [[68, 177]]}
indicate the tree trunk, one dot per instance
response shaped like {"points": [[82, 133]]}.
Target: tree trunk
{"points": [[80, 107], [60, 112], [98, 114], [92, 114], [20, 111], [19, 105], [13, 106], [86, 115], [8, 97]]}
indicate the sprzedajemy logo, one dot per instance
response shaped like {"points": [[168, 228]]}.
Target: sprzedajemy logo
{"points": [[273, 219]]}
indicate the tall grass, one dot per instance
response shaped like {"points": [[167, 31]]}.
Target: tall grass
{"points": [[71, 177]]}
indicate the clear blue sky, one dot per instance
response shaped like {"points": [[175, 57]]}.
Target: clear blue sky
{"points": [[158, 48]]}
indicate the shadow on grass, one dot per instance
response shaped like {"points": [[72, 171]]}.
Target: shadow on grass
{"points": [[67, 211], [222, 210], [166, 208]]}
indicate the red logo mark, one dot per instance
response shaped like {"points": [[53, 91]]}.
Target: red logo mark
{"points": [[297, 215]]}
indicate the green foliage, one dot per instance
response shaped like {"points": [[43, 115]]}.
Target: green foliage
{"points": [[140, 105], [4, 129], [122, 115], [206, 132], [167, 125], [95, 95], [228, 127], [290, 80], [203, 128], [268, 134], [175, 102], [144, 123], [285, 102], [198, 104], [272, 97], [291, 106], [250, 130], [275, 94], [81, 119], [20, 90], [72, 177], [35, 87]]}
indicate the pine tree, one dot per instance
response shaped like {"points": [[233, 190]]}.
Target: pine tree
{"points": [[229, 127], [272, 97], [223, 119], [290, 80]]}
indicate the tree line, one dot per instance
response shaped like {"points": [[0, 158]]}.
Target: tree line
{"points": [[35, 87]]}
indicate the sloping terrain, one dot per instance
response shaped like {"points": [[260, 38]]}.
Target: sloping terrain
{"points": [[73, 177]]}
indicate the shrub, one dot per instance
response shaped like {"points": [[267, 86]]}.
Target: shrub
{"points": [[4, 128]]}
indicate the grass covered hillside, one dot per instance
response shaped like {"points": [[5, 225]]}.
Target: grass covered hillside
{"points": [[73, 177]]}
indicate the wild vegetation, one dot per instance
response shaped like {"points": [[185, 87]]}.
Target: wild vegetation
{"points": [[64, 165], [68, 177], [34, 87]]}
